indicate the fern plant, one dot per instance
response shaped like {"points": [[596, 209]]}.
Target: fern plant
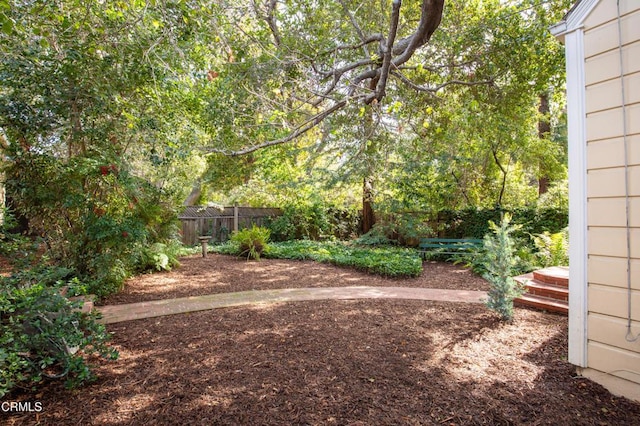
{"points": [[251, 242], [552, 248], [499, 262]]}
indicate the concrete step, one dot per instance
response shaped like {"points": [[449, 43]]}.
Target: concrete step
{"points": [[543, 303]]}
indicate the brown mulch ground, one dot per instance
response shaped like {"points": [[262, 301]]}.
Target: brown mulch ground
{"points": [[366, 362], [225, 274]]}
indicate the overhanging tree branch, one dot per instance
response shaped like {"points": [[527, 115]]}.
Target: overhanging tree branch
{"points": [[387, 54], [357, 79], [297, 132], [437, 88]]}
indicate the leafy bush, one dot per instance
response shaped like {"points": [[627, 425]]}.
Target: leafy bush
{"points": [[377, 236], [557, 197], [162, 256], [308, 221], [43, 334], [499, 261], [100, 220], [314, 221], [387, 261], [474, 223], [397, 228], [552, 249], [14, 246], [251, 242]]}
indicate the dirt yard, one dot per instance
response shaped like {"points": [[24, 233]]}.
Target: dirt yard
{"points": [[365, 362]]}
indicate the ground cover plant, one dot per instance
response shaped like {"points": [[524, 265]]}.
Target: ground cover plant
{"points": [[385, 260]]}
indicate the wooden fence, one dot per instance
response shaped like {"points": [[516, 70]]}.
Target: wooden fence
{"points": [[220, 223]]}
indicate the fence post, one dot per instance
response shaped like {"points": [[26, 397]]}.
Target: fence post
{"points": [[235, 218]]}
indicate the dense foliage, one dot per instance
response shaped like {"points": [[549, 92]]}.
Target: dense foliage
{"points": [[314, 221], [113, 113], [387, 261], [474, 223], [44, 334]]}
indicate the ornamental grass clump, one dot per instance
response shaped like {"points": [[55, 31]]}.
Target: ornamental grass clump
{"points": [[251, 242], [499, 261]]}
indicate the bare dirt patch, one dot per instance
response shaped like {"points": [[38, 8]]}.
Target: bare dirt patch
{"points": [[365, 362]]}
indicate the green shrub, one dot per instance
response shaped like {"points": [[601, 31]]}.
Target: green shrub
{"points": [[377, 236], [43, 335], [557, 197], [397, 228], [314, 221], [19, 249], [251, 242], [100, 220], [162, 256], [308, 221], [499, 262], [474, 223], [552, 249]]}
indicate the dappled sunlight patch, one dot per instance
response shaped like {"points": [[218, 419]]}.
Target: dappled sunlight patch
{"points": [[276, 278], [486, 350], [213, 398], [124, 409]]}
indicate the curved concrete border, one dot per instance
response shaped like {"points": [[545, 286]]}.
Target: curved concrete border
{"points": [[156, 308]]}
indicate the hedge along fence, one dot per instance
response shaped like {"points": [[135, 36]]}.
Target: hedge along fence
{"points": [[220, 223], [474, 223], [407, 227]]}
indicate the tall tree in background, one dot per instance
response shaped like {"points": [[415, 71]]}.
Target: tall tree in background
{"points": [[480, 145], [294, 69], [299, 67]]}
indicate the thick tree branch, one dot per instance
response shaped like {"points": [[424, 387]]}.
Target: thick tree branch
{"points": [[434, 89], [387, 54], [430, 17], [271, 7], [348, 78], [297, 132]]}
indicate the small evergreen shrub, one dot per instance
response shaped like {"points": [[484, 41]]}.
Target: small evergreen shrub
{"points": [[499, 262], [251, 242]]}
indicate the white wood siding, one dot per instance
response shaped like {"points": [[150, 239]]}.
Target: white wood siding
{"points": [[608, 349]]}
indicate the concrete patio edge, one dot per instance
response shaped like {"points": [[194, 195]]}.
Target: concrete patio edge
{"points": [[133, 311]]}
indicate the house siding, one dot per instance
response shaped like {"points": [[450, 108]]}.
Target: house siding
{"points": [[608, 349]]}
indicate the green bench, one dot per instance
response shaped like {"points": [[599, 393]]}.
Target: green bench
{"points": [[447, 245]]}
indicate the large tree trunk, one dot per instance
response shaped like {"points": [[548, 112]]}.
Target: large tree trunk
{"points": [[4, 145], [368, 216], [544, 130], [2, 199]]}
